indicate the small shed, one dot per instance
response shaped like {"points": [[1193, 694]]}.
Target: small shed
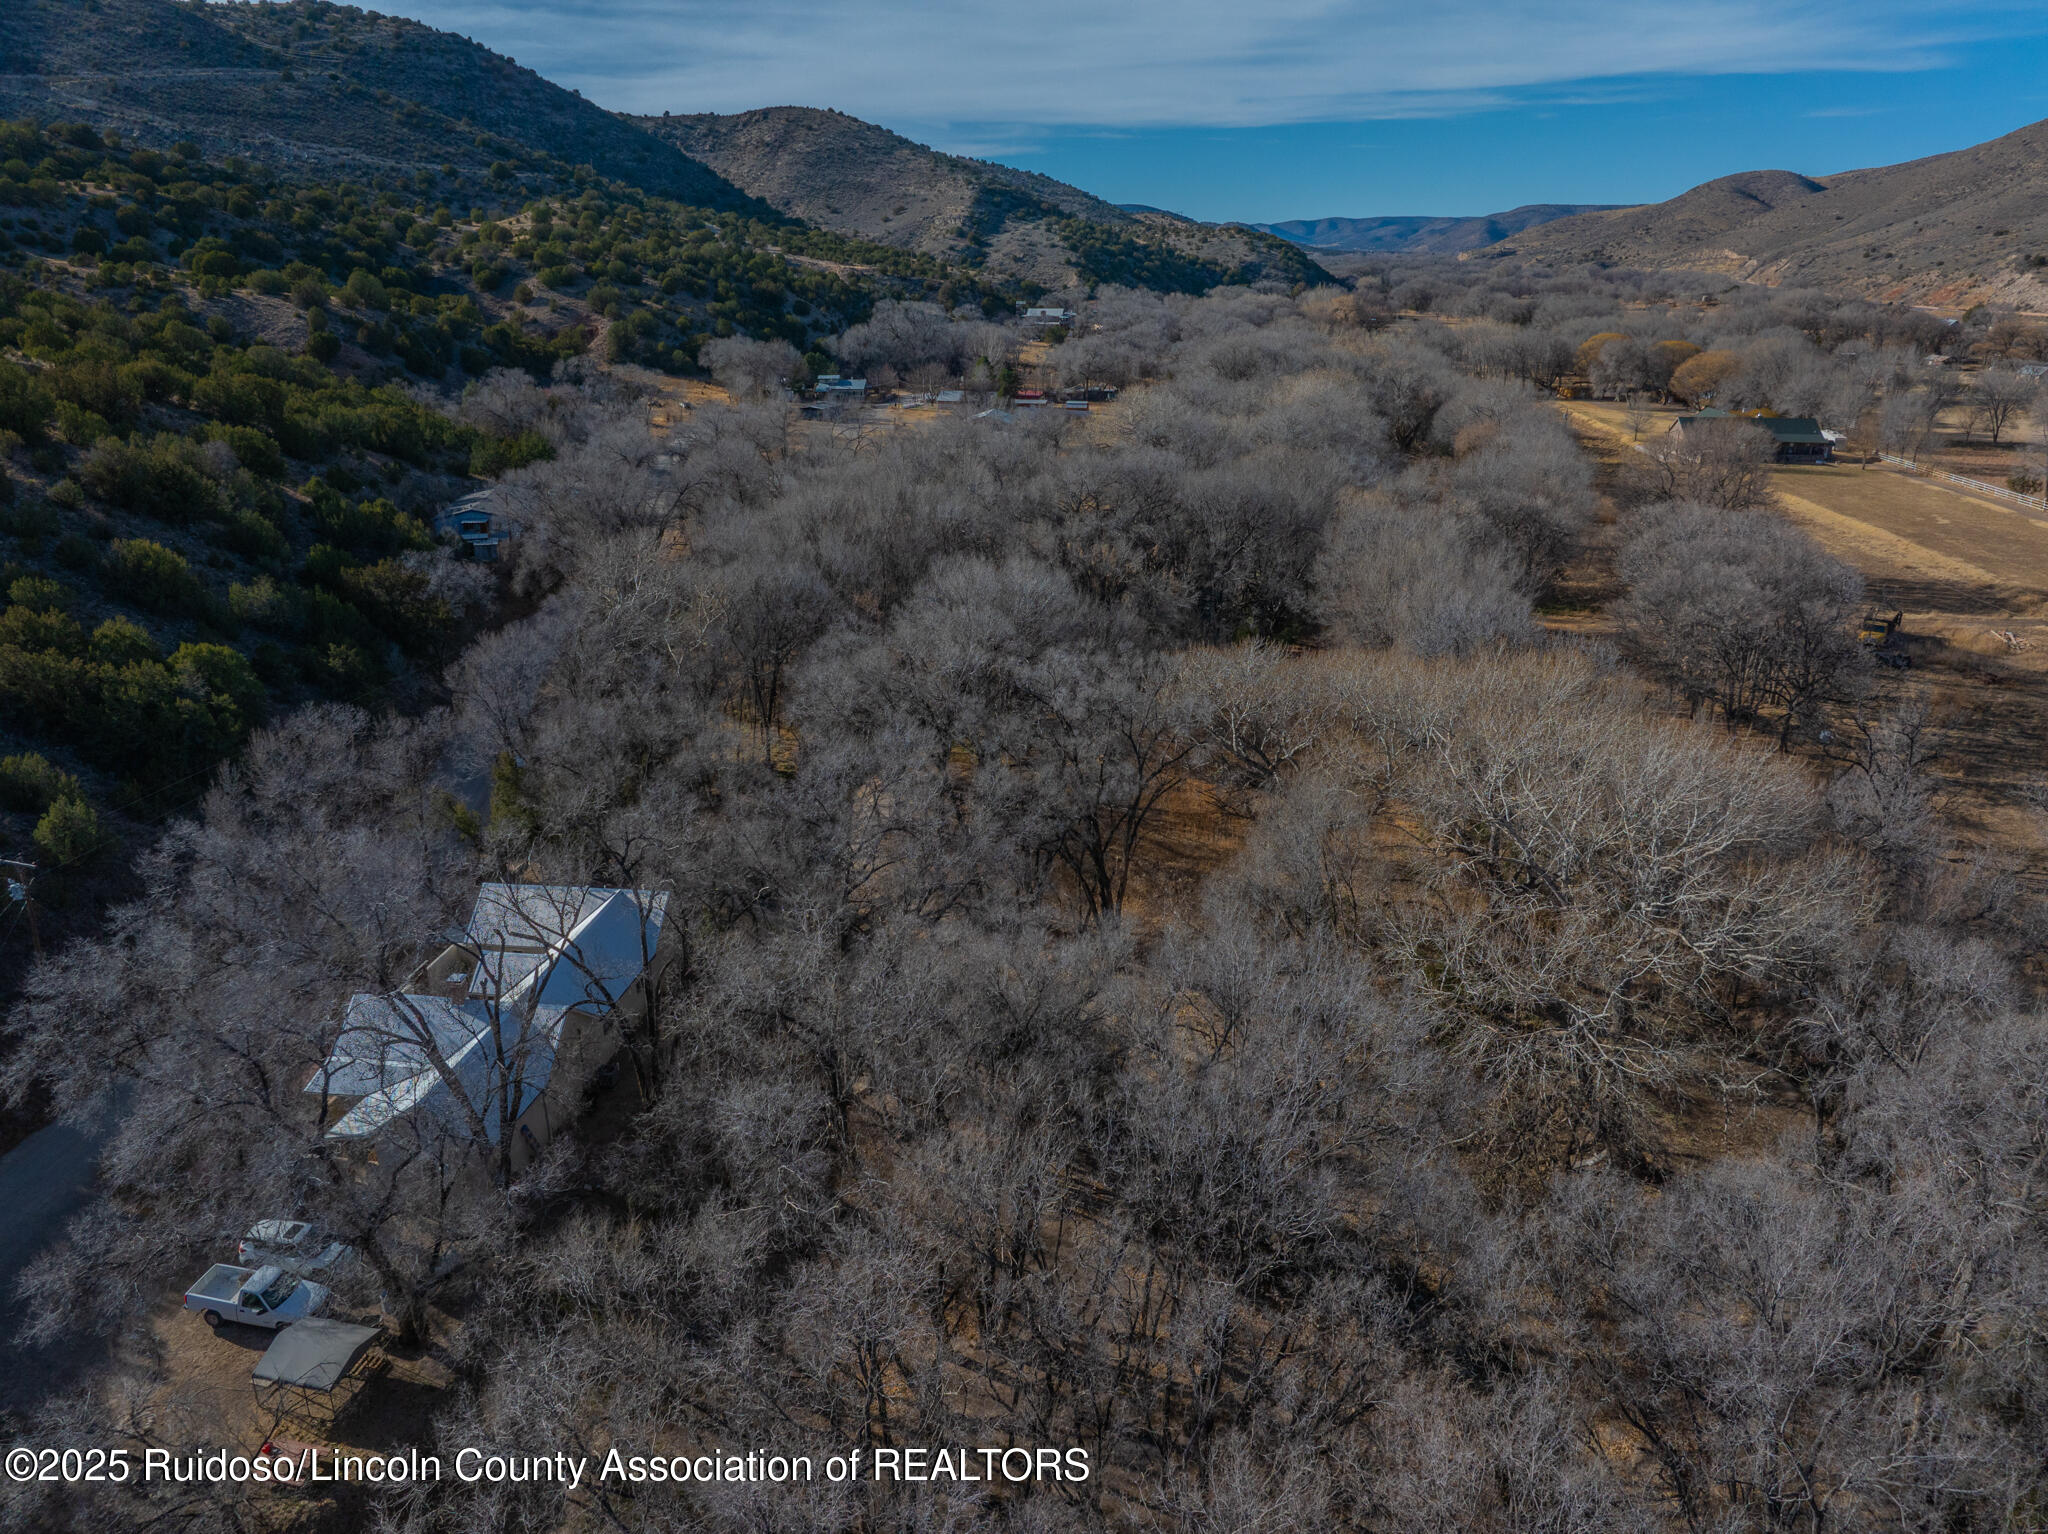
{"points": [[314, 1365]]}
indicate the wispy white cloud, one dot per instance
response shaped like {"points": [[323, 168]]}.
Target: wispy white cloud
{"points": [[1156, 63]]}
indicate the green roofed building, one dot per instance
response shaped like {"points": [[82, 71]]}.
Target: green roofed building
{"points": [[1799, 438]]}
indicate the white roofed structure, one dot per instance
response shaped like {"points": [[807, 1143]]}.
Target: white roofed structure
{"points": [[527, 997]]}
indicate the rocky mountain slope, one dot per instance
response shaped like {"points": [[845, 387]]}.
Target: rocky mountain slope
{"points": [[317, 87], [331, 90], [855, 178], [1953, 229], [1425, 236]]}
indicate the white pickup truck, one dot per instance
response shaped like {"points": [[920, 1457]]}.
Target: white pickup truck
{"points": [[294, 1245], [266, 1296]]}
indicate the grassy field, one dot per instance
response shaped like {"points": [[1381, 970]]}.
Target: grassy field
{"points": [[1966, 571]]}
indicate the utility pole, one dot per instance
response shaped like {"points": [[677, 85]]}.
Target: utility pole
{"points": [[23, 890]]}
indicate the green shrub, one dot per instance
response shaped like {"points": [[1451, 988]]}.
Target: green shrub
{"points": [[156, 380], [39, 630], [30, 784], [249, 533], [265, 603], [493, 456], [39, 593], [255, 450], [30, 517], [79, 426], [97, 387], [153, 577], [224, 678], [242, 399], [365, 291], [69, 833], [163, 478], [121, 642], [41, 688], [160, 722]]}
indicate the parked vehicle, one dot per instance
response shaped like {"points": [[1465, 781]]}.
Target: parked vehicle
{"points": [[1880, 635], [265, 1296], [297, 1246]]}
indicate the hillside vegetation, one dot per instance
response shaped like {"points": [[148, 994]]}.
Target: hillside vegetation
{"points": [[855, 178], [1953, 229], [228, 415], [329, 90]]}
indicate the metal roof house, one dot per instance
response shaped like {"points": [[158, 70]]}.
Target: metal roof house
{"points": [[500, 1033], [475, 524], [1798, 438]]}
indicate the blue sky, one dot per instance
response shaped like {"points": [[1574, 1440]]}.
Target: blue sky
{"points": [[1273, 109]]}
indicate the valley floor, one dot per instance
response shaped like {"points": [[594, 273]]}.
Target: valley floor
{"points": [[1967, 571]]}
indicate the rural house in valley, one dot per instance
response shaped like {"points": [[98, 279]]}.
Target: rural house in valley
{"points": [[494, 1040], [1796, 439]]}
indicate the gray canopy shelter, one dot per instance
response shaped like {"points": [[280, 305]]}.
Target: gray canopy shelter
{"points": [[315, 1363]]}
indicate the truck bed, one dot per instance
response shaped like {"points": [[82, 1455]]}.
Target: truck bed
{"points": [[222, 1281]]}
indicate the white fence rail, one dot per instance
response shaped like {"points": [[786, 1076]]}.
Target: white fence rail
{"points": [[1976, 486]]}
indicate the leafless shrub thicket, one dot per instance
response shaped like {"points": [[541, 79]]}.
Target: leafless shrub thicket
{"points": [[1175, 965], [1743, 612]]}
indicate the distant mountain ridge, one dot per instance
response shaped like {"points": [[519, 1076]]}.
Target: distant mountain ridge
{"points": [[1425, 235], [311, 86], [857, 178], [1969, 226]]}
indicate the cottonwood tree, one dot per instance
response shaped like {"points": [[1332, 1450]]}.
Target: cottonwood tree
{"points": [[1998, 397], [1713, 463], [749, 369], [1742, 611], [1423, 578], [1600, 884], [1532, 483]]}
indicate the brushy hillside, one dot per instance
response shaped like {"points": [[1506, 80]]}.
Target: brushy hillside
{"points": [[1426, 236], [856, 178], [226, 424], [1953, 229], [323, 88]]}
